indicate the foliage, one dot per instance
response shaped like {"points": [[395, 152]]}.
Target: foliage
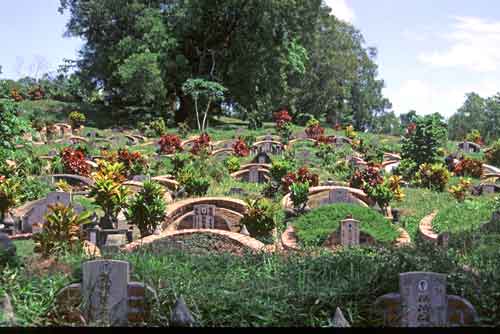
{"points": [[316, 226], [367, 178], [381, 194], [394, 184], [201, 145], [475, 137], [433, 176], [232, 164], [9, 192], [299, 195], [350, 133], [33, 189], [200, 89], [422, 144], [157, 128], [463, 216], [76, 119], [61, 231], [459, 191], [107, 190], [179, 161], [314, 129], [406, 169], [240, 148], [259, 217], [469, 167], [492, 155], [303, 175], [170, 144], [147, 208], [193, 182], [11, 126], [74, 162]]}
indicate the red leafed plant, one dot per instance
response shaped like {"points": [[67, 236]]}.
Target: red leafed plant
{"points": [[315, 131], [411, 128], [74, 162], [201, 143], [370, 177], [338, 127], [16, 95], [281, 118], [36, 93], [129, 159], [469, 167], [240, 148], [169, 144], [325, 140], [303, 175]]}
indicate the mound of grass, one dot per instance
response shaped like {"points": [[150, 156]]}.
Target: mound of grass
{"points": [[459, 217], [314, 227]]}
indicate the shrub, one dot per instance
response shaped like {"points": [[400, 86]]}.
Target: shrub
{"points": [[280, 168], [170, 144], [434, 176], [201, 145], [183, 129], [193, 182], [33, 189], [422, 144], [259, 217], [134, 163], [299, 194], [240, 148], [303, 175], [9, 191], [76, 119], [369, 177], [36, 93], [316, 226], [61, 231], [74, 162], [475, 137], [314, 129], [281, 118], [492, 155], [350, 133], [381, 194], [13, 127], [394, 184], [158, 127], [459, 191], [406, 169], [232, 164], [147, 208], [179, 161], [469, 167]]}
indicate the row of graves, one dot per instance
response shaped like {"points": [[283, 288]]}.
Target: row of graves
{"points": [[108, 295]]}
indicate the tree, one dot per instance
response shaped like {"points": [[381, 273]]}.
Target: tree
{"points": [[200, 89]]}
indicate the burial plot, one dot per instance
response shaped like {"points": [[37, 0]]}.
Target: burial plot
{"points": [[423, 302], [34, 219], [106, 295], [262, 158], [469, 147], [204, 216]]}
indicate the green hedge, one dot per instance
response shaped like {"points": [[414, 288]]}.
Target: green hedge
{"points": [[314, 227]]}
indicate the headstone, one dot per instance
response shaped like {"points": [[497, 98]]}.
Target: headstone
{"points": [[116, 240], [140, 178], [339, 320], [339, 196], [237, 191], [204, 216], [423, 299], [181, 316], [105, 291], [349, 232], [37, 213], [466, 147], [253, 175], [488, 188]]}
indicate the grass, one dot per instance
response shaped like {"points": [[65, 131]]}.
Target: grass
{"points": [[458, 217], [314, 227]]}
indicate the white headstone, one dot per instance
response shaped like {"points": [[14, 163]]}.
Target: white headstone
{"points": [[349, 232], [488, 188], [204, 216], [105, 291], [116, 240], [423, 299], [339, 196]]}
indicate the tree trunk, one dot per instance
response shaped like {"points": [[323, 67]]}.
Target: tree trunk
{"points": [[185, 111]]}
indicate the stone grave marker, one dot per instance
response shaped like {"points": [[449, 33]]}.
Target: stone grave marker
{"points": [[305, 155], [339, 196], [423, 299], [488, 188], [140, 178], [116, 240], [105, 291], [237, 191], [349, 232], [253, 175], [204, 216], [36, 214]]}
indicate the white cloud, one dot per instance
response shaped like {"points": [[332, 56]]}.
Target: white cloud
{"points": [[341, 10], [426, 97], [475, 45]]}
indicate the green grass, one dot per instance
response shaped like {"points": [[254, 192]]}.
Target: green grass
{"points": [[463, 216], [314, 227]]}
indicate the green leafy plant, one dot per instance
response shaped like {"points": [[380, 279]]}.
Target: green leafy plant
{"points": [[147, 208], [76, 119], [259, 217], [459, 191], [61, 231], [193, 182], [299, 194], [280, 168], [232, 164], [9, 191], [433, 176]]}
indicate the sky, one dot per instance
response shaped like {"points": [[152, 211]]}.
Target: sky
{"points": [[430, 52]]}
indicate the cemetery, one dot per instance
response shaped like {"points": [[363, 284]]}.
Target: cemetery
{"points": [[187, 175]]}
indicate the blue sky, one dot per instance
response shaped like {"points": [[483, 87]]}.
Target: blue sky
{"points": [[430, 52]]}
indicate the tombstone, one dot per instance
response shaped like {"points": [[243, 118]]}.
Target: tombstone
{"points": [[115, 240], [37, 213], [488, 188], [339, 196], [236, 191], [253, 175], [262, 158], [105, 295], [204, 216], [349, 232], [140, 178], [423, 299]]}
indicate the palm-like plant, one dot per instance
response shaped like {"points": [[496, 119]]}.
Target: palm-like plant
{"points": [[61, 231], [108, 191]]}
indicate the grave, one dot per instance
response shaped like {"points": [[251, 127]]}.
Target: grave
{"points": [[349, 232], [36, 215], [338, 196], [253, 175], [109, 238], [262, 158], [106, 295], [469, 147], [423, 302], [237, 192], [204, 216]]}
